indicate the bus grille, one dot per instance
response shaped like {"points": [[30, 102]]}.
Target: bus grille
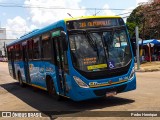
{"points": [[102, 92]]}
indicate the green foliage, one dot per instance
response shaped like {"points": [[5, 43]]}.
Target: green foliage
{"points": [[134, 20], [131, 28], [146, 17]]}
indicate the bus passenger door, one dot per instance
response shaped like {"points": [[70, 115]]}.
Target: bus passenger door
{"points": [[59, 60], [25, 61], [12, 64]]}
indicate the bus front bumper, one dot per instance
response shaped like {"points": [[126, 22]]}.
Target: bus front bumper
{"points": [[79, 94]]}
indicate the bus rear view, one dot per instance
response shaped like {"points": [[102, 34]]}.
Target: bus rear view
{"points": [[101, 56]]}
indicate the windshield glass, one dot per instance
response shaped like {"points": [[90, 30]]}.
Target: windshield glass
{"points": [[96, 51]]}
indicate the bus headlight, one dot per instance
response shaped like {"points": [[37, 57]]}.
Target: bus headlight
{"points": [[132, 74], [80, 82]]}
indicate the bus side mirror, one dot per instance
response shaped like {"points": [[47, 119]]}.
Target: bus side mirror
{"points": [[64, 41]]}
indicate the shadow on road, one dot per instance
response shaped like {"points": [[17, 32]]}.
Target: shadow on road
{"points": [[41, 101]]}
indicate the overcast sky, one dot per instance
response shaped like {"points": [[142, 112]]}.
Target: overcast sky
{"points": [[19, 20]]}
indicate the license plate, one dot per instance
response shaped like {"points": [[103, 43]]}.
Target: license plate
{"points": [[108, 94]]}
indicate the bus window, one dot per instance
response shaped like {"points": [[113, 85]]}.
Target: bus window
{"points": [[18, 54], [30, 49], [9, 53], [84, 53], [46, 46], [36, 50]]}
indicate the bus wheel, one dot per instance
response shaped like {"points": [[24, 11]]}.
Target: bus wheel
{"points": [[51, 90], [20, 80]]}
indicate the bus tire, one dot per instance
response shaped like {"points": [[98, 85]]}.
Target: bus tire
{"points": [[51, 89], [20, 80]]}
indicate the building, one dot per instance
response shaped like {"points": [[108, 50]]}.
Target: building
{"points": [[2, 40]]}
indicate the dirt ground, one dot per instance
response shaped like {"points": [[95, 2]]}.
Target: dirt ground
{"points": [[149, 66]]}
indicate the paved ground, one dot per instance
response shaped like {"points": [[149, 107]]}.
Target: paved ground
{"points": [[145, 98]]}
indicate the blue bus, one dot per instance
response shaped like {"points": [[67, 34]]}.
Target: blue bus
{"points": [[78, 58]]}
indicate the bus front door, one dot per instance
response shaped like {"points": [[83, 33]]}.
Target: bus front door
{"points": [[26, 66], [59, 60]]}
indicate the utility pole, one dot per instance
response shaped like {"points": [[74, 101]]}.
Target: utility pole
{"points": [[137, 50]]}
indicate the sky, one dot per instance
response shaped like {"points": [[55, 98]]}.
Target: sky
{"points": [[20, 20]]}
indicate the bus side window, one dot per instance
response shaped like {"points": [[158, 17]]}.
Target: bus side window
{"points": [[13, 54], [9, 53], [46, 46], [20, 52], [17, 52], [36, 48], [30, 49]]}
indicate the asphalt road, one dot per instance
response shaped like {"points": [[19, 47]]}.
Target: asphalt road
{"points": [[145, 98]]}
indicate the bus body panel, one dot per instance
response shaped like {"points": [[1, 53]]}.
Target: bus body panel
{"points": [[39, 70], [78, 94], [18, 66], [34, 69], [11, 69]]}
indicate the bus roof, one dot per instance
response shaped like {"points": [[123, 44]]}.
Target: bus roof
{"points": [[89, 17], [59, 23]]}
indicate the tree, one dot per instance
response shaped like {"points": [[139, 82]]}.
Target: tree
{"points": [[151, 15], [146, 17], [134, 20]]}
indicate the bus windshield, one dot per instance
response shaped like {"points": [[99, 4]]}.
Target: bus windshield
{"points": [[97, 51]]}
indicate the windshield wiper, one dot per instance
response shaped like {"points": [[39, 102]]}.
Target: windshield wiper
{"points": [[108, 40], [91, 41], [106, 49], [95, 48]]}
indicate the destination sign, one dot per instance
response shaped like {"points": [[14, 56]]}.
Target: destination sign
{"points": [[92, 23], [97, 23]]}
